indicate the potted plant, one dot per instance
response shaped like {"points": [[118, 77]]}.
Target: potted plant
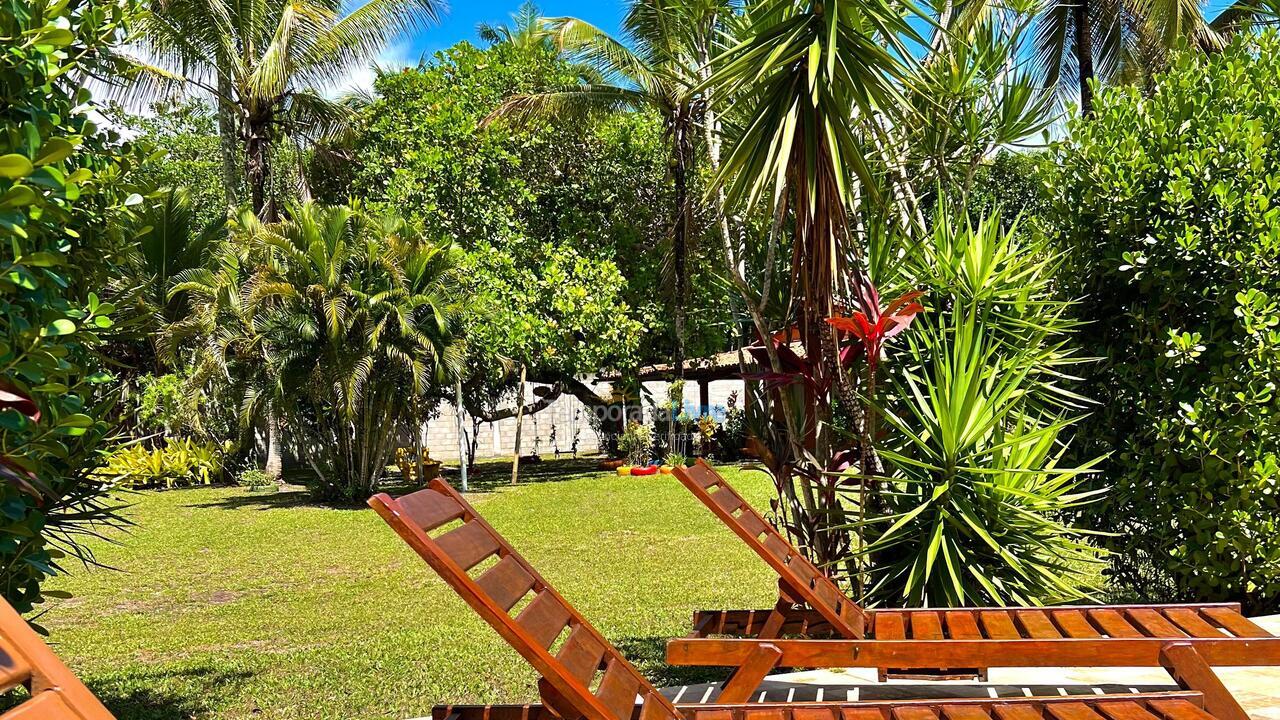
{"points": [[636, 442]]}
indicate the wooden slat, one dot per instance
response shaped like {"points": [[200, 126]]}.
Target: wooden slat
{"points": [[506, 582], [47, 705], [890, 625], [544, 618], [1019, 711], [926, 626], [864, 713], [653, 709], [581, 654], [1113, 624], [910, 712], [727, 499], [468, 545], [1232, 620], [777, 547], [1191, 623], [1071, 711], [961, 625], [1037, 624], [765, 712], [964, 712], [13, 669], [702, 475], [998, 625], [754, 526], [1074, 624], [1124, 710], [618, 690], [1179, 710], [814, 713], [1154, 624], [429, 509]]}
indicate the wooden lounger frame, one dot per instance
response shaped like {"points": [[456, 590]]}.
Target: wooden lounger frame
{"points": [[56, 693], [811, 606], [583, 676]]}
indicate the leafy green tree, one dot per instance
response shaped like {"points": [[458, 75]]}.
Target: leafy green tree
{"points": [[559, 224], [655, 67], [263, 64], [65, 201], [185, 136], [1167, 205]]}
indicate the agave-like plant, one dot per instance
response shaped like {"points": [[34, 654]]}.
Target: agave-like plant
{"points": [[977, 488]]}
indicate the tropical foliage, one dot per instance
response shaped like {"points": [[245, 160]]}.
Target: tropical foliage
{"points": [[977, 486], [176, 463], [1167, 205], [64, 201], [262, 63]]}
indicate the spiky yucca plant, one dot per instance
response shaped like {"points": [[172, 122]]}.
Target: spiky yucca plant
{"points": [[977, 487]]}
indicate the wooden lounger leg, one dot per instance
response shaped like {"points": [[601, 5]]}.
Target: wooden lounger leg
{"points": [[773, 624], [1191, 672], [744, 681]]}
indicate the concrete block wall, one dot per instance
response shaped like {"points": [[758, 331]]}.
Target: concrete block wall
{"points": [[567, 415]]}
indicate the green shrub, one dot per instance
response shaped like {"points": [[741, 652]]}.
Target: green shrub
{"points": [[179, 463], [63, 206], [254, 479], [976, 420], [1167, 202], [636, 442]]}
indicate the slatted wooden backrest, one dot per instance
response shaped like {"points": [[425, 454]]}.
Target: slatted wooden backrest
{"points": [[797, 574], [583, 675], [56, 693]]}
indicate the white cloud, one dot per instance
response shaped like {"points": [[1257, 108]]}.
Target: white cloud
{"points": [[360, 79]]}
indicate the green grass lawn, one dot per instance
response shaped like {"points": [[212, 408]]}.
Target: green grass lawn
{"points": [[236, 605]]}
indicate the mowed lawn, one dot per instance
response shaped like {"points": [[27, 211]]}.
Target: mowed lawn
{"points": [[228, 604]]}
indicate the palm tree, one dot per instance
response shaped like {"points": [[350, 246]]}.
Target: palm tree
{"points": [[654, 67], [358, 317], [262, 63], [525, 31], [1080, 41]]}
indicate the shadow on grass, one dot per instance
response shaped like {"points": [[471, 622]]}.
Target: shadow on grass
{"points": [[649, 655], [161, 695], [491, 475], [282, 499], [158, 695]]}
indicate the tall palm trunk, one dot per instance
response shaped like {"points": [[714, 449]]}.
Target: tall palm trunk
{"points": [[227, 145], [275, 460], [1084, 55], [681, 167], [257, 164]]}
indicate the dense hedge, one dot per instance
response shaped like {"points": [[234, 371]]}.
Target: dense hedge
{"points": [[1168, 201], [61, 198]]}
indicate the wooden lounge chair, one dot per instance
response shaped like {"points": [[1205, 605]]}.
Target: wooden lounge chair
{"points": [[814, 624], [56, 693], [583, 676]]}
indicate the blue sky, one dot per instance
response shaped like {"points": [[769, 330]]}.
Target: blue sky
{"points": [[459, 23]]}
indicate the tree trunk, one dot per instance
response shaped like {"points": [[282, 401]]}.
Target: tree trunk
{"points": [[462, 436], [227, 143], [682, 161], [515, 461], [257, 166], [1084, 55], [275, 463]]}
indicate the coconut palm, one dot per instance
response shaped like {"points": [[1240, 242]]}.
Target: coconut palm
{"points": [[1080, 41], [655, 66], [262, 62], [525, 31]]}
